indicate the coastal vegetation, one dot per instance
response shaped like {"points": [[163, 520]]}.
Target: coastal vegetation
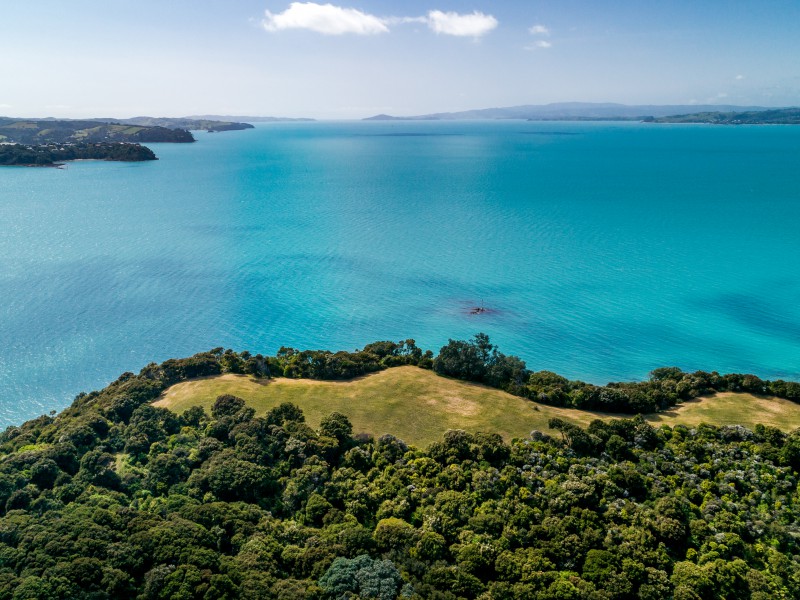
{"points": [[777, 116], [119, 498], [479, 360], [48, 155]]}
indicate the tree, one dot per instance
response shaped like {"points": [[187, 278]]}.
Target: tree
{"points": [[338, 426], [226, 405], [362, 576]]}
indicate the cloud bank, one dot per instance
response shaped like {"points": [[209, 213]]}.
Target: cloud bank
{"points": [[329, 19]]}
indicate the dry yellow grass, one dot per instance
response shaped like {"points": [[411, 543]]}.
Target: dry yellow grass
{"points": [[729, 408], [419, 406]]}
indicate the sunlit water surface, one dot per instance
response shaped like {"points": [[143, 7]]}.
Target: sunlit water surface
{"points": [[602, 251]]}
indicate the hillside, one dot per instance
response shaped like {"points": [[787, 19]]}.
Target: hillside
{"points": [[31, 131], [418, 406]]}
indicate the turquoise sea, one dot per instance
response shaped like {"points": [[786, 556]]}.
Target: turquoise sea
{"points": [[601, 250]]}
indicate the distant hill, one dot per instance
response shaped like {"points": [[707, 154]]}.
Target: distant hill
{"points": [[188, 123], [778, 116], [566, 111], [383, 117], [248, 119], [55, 131]]}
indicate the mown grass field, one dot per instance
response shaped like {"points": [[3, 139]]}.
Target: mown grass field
{"points": [[418, 406]]}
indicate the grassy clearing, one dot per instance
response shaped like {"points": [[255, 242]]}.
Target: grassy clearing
{"points": [[729, 408], [418, 406]]}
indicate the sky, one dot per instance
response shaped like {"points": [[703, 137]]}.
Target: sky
{"points": [[355, 58]]}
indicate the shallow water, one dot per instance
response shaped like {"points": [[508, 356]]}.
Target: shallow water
{"points": [[602, 250]]}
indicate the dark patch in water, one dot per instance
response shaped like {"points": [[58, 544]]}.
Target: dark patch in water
{"points": [[756, 313], [409, 134], [220, 230], [549, 133]]}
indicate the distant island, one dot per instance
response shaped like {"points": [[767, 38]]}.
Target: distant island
{"points": [[249, 119], [52, 155], [581, 111]]}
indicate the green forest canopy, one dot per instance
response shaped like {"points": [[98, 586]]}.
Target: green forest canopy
{"points": [[116, 498]]}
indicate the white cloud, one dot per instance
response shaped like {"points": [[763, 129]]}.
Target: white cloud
{"points": [[474, 24], [739, 77], [539, 44], [5, 106], [336, 20], [539, 30], [325, 18]]}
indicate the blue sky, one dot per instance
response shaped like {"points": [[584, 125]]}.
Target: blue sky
{"points": [[352, 59]]}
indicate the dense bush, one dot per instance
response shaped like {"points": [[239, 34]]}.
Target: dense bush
{"points": [[49, 154], [115, 498], [323, 364], [479, 360], [231, 505]]}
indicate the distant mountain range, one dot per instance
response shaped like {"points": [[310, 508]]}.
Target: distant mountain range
{"points": [[566, 111]]}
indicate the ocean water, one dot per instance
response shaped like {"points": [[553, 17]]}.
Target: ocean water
{"points": [[601, 250]]}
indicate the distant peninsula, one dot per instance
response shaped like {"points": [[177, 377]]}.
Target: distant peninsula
{"points": [[186, 123], [57, 131], [53, 155], [250, 119], [574, 111]]}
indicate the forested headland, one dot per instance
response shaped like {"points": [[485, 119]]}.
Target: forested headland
{"points": [[187, 123], [48, 155], [117, 498], [53, 131], [135, 130]]}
